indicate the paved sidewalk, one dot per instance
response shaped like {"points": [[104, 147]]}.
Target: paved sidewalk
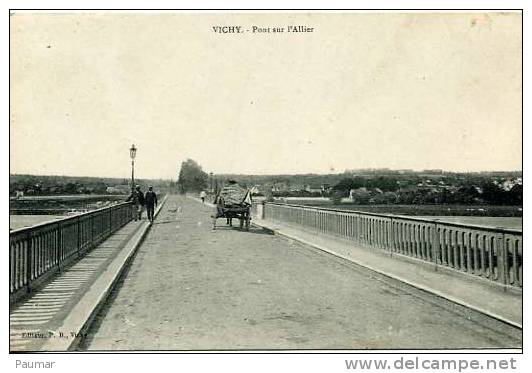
{"points": [[54, 317], [474, 293]]}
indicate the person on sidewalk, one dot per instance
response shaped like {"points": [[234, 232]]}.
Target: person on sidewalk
{"points": [[151, 203], [202, 196], [137, 197]]}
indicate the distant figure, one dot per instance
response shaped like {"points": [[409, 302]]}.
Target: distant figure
{"points": [[202, 196], [137, 197], [151, 203]]}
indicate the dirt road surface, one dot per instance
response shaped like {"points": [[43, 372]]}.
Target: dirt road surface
{"points": [[192, 288]]}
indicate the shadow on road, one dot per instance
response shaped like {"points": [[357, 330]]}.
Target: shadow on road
{"points": [[252, 230], [164, 222]]}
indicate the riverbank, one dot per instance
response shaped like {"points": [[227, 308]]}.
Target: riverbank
{"points": [[22, 221], [59, 205], [412, 209]]}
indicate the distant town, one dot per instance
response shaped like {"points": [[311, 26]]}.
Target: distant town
{"points": [[359, 186], [37, 185], [384, 186]]}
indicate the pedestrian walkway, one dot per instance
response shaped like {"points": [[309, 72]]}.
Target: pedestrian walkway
{"points": [[466, 290], [190, 287], [53, 317]]}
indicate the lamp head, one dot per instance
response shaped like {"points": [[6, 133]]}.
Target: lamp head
{"points": [[132, 151]]}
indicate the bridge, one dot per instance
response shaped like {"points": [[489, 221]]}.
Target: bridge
{"points": [[300, 278]]}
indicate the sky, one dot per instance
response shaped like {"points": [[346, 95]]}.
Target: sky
{"points": [[401, 91]]}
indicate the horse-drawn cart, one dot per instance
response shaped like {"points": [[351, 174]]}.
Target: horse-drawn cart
{"points": [[233, 202]]}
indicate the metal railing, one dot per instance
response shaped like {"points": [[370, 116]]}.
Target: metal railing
{"points": [[38, 252], [495, 254]]}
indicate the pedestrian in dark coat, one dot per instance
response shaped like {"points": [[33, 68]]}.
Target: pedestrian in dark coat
{"points": [[137, 197], [151, 202]]}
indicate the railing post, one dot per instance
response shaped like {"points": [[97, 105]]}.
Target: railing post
{"points": [[502, 259], [58, 246], [91, 220], [468, 245], [29, 258], [390, 244], [435, 244], [79, 235]]}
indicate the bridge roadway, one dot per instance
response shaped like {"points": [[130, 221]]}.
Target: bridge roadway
{"points": [[192, 288]]}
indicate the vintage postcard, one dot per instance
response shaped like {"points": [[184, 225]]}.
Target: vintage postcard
{"points": [[266, 181]]}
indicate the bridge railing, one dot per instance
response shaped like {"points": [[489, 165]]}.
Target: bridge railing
{"points": [[38, 252], [495, 254]]}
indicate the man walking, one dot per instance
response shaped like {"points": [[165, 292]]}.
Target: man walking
{"points": [[151, 203], [137, 197]]}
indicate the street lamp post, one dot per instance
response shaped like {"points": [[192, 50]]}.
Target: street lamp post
{"points": [[132, 154]]}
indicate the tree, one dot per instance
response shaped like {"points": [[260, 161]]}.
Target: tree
{"points": [[384, 183], [385, 198], [345, 185], [192, 177], [70, 188], [492, 193], [406, 197], [361, 196], [467, 194], [515, 195]]}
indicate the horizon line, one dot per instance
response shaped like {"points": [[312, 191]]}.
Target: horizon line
{"points": [[279, 174]]}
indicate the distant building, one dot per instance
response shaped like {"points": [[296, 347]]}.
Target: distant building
{"points": [[326, 188], [297, 188], [84, 190], [508, 184], [405, 171], [313, 188], [433, 172], [118, 189]]}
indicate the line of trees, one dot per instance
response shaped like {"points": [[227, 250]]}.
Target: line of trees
{"points": [[385, 190]]}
